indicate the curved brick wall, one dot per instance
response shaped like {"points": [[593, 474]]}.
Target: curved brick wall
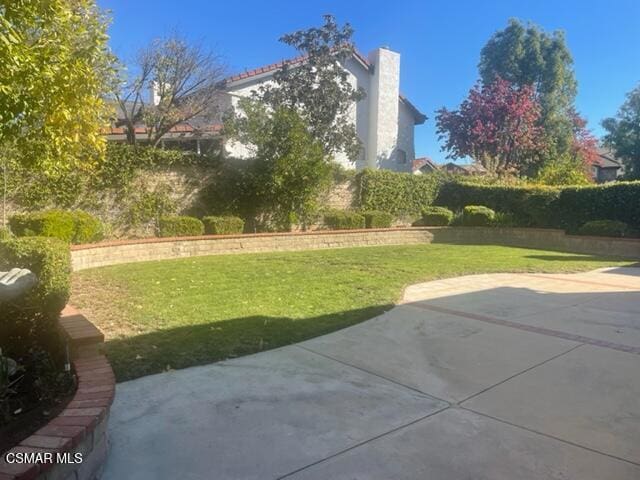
{"points": [[81, 428], [128, 251]]}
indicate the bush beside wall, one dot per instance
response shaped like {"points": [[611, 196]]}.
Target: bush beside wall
{"points": [[377, 219], [605, 228], [74, 226], [477, 216], [180, 226], [436, 216], [344, 220], [223, 225]]}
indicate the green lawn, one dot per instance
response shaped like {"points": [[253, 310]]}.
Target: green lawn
{"points": [[178, 313]]}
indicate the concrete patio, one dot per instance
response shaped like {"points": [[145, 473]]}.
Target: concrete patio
{"points": [[505, 376]]}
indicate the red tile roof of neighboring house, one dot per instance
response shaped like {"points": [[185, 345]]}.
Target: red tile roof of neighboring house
{"points": [[418, 163], [182, 128]]}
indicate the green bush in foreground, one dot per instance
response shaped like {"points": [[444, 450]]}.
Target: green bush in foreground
{"points": [[377, 219], [344, 220], [5, 233], [225, 225], [436, 216], [605, 228], [180, 226], [74, 226], [477, 216]]}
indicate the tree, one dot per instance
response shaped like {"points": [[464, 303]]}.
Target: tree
{"points": [[624, 133], [55, 67], [289, 169], [174, 82], [526, 55], [497, 125], [317, 86]]}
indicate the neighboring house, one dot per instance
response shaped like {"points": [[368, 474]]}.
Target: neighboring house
{"points": [[464, 169], [384, 119], [424, 165], [608, 168]]}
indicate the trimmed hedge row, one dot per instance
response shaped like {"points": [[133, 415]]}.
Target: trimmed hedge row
{"points": [[477, 216], [436, 216], [223, 225], [558, 207], [74, 226], [377, 219], [180, 226], [400, 194], [344, 220], [605, 228]]}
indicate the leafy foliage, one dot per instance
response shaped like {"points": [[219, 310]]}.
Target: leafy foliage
{"points": [[605, 228], [496, 126], [280, 187], [69, 226], [55, 66], [150, 206], [477, 216], [436, 216], [180, 226], [400, 194], [376, 219], [524, 55], [317, 86], [344, 220], [624, 133], [225, 225]]}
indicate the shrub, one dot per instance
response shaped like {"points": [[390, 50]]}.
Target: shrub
{"points": [[70, 226], [477, 216], [502, 219], [436, 216], [604, 228], [224, 225], [5, 233], [50, 260], [180, 226], [377, 219], [344, 220], [401, 194]]}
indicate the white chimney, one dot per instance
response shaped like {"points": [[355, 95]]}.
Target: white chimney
{"points": [[383, 100]]}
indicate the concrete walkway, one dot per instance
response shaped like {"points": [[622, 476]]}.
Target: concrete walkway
{"points": [[529, 376]]}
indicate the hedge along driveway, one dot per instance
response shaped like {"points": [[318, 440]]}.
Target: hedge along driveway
{"points": [[179, 313]]}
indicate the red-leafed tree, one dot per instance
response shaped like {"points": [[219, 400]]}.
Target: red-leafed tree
{"points": [[585, 145], [496, 125]]}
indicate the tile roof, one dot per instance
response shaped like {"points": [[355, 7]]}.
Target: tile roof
{"points": [[182, 128]]}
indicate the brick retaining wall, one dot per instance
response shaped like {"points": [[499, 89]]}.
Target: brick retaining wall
{"points": [[128, 251]]}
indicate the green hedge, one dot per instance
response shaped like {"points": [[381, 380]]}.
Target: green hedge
{"points": [[377, 219], [400, 194], [344, 220], [74, 226], [50, 260], [436, 216], [180, 226], [477, 216], [223, 225], [605, 228], [557, 207]]}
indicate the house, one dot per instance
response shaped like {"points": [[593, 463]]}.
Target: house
{"points": [[424, 165], [464, 169], [384, 119], [608, 168]]}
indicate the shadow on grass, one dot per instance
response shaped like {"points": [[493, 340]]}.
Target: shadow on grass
{"points": [[200, 344]]}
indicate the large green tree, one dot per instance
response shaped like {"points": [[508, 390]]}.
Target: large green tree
{"points": [[54, 68], [317, 86], [624, 133], [526, 55]]}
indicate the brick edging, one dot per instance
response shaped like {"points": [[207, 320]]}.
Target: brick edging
{"points": [[81, 428]]}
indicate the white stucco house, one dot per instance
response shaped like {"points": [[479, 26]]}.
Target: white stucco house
{"points": [[384, 119]]}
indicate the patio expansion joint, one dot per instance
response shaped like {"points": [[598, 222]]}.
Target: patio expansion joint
{"points": [[562, 440], [369, 372], [528, 328]]}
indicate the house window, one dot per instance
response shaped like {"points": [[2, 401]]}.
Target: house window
{"points": [[401, 156]]}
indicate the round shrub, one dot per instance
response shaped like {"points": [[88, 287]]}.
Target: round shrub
{"points": [[180, 226], [87, 228], [74, 226], [5, 233], [377, 219], [605, 228], [344, 220], [477, 216], [436, 216], [223, 225]]}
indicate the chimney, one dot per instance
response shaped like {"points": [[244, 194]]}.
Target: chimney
{"points": [[383, 100]]}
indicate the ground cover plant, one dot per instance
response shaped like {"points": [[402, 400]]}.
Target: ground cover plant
{"points": [[184, 312]]}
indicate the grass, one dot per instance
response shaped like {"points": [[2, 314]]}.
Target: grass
{"points": [[179, 313]]}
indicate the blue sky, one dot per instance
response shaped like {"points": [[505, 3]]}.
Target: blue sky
{"points": [[439, 41]]}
